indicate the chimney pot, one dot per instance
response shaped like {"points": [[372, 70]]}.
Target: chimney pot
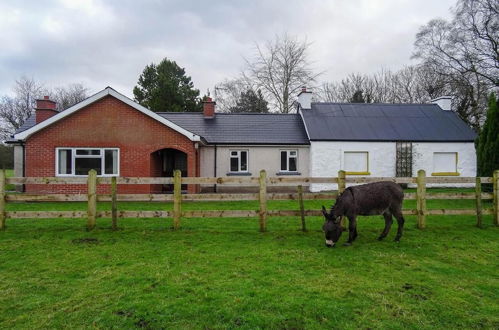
{"points": [[45, 108]]}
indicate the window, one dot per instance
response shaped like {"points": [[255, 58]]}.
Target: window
{"points": [[288, 160], [78, 161], [239, 161], [445, 163], [356, 162]]}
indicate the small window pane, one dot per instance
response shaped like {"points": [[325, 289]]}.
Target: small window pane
{"points": [[244, 161], [88, 152], [292, 153], [233, 153], [284, 161], [292, 164], [65, 164], [234, 164], [83, 165], [111, 161]]}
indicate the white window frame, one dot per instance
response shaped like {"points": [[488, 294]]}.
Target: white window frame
{"points": [[73, 163], [239, 160], [288, 151]]}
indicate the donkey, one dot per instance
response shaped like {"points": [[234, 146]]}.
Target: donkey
{"points": [[383, 197]]}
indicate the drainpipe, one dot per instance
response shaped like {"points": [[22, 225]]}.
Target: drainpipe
{"points": [[215, 168], [23, 187]]}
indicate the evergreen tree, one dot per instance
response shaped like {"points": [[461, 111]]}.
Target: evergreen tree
{"points": [[358, 97], [488, 141], [250, 101], [165, 87]]}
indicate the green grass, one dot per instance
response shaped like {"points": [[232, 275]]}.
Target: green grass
{"points": [[9, 174], [223, 273]]}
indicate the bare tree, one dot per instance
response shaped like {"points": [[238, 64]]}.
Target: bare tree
{"points": [[15, 110], [411, 84], [68, 96], [464, 53], [227, 93], [279, 69]]}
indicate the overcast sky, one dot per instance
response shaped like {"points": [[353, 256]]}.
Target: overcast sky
{"points": [[108, 43]]}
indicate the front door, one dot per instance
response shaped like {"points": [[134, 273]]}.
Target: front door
{"points": [[173, 160]]}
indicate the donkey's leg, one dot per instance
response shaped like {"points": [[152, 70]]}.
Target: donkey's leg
{"points": [[352, 230], [400, 220], [388, 224]]}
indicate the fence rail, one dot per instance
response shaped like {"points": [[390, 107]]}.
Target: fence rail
{"points": [[263, 182]]}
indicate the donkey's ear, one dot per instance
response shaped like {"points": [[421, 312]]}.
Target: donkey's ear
{"points": [[324, 211]]}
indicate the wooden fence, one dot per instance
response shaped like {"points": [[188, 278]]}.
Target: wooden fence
{"points": [[92, 198]]}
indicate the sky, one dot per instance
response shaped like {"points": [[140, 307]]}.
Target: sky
{"points": [[108, 43]]}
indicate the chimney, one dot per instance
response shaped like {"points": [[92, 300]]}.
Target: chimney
{"points": [[444, 102], [305, 98], [45, 108], [208, 108]]}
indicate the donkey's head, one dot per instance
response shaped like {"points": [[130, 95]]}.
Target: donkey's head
{"points": [[332, 227]]}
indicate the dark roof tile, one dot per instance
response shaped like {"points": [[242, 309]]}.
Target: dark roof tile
{"points": [[384, 122], [242, 128]]}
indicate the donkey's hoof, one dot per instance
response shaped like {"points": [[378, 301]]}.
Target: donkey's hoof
{"points": [[397, 239], [347, 244], [380, 238]]}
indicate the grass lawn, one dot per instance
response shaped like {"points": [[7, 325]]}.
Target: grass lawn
{"points": [[223, 273], [9, 174]]}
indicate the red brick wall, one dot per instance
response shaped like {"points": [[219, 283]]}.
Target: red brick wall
{"points": [[44, 114], [106, 123]]}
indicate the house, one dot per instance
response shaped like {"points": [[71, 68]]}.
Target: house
{"points": [[118, 137], [386, 140]]}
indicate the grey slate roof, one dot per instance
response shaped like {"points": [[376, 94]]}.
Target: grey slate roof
{"points": [[242, 128], [30, 122], [384, 122]]}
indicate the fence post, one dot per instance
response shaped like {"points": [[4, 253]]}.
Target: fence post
{"points": [[2, 200], [341, 181], [92, 199], [496, 197], [114, 206], [263, 201], [177, 198], [421, 199], [478, 194], [302, 208]]}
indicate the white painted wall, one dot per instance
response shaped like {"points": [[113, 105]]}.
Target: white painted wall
{"points": [[326, 159], [466, 162]]}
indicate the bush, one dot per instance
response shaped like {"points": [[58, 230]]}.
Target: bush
{"points": [[6, 156]]}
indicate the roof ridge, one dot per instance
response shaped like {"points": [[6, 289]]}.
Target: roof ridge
{"points": [[229, 113], [377, 103]]}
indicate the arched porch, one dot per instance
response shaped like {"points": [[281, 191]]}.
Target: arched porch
{"points": [[165, 161]]}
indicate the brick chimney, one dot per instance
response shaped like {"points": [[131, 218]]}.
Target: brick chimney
{"points": [[209, 108], [45, 108]]}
